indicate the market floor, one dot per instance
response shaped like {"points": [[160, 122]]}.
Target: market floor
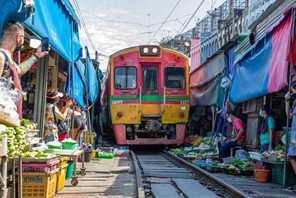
{"points": [[255, 189], [105, 178]]}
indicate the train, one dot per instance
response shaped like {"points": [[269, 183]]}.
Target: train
{"points": [[145, 96]]}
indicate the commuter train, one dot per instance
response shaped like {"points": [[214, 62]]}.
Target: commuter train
{"points": [[145, 100]]}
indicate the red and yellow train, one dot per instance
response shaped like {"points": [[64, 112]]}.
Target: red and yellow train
{"points": [[145, 97]]}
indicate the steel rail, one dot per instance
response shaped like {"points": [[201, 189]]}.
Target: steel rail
{"points": [[229, 189], [139, 183]]}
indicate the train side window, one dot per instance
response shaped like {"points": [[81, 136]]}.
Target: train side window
{"points": [[150, 79], [174, 77], [125, 78]]}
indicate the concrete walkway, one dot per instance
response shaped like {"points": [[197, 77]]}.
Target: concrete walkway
{"points": [[112, 178], [253, 188]]}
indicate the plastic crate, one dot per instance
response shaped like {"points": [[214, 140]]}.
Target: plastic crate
{"points": [[3, 145], [40, 167], [61, 177], [39, 185], [278, 175], [228, 160], [197, 163], [63, 161]]}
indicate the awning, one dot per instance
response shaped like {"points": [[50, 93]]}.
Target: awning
{"points": [[204, 81], [79, 82], [14, 10], [263, 68], [53, 19], [92, 80]]}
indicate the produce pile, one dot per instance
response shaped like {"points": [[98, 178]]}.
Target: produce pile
{"points": [[28, 124], [237, 167], [16, 138], [193, 140], [37, 154]]}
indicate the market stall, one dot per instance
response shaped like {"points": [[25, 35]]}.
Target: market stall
{"points": [[203, 152]]}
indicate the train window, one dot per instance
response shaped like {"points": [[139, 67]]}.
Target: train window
{"points": [[125, 78], [150, 79], [174, 78]]}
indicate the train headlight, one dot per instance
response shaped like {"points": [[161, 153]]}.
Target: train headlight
{"points": [[182, 114], [145, 50], [154, 50], [119, 114]]}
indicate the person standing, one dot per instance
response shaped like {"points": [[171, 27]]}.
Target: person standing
{"points": [[292, 115], [52, 111], [239, 139], [267, 129], [13, 37]]}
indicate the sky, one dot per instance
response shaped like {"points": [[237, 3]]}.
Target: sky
{"points": [[117, 24]]}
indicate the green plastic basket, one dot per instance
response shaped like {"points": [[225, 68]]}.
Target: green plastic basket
{"points": [[70, 169], [278, 175], [106, 155], [53, 147], [69, 145]]}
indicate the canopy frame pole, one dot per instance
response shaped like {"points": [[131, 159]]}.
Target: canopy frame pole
{"points": [[72, 66], [288, 109], [87, 95]]}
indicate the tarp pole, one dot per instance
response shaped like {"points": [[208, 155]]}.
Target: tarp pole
{"points": [[288, 111], [72, 66], [87, 94]]}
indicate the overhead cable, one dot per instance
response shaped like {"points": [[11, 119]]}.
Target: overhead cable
{"points": [[164, 21]]}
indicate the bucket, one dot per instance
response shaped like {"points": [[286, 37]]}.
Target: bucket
{"points": [[70, 169], [261, 175], [87, 155]]}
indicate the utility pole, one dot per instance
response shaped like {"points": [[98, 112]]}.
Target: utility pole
{"points": [[149, 27]]}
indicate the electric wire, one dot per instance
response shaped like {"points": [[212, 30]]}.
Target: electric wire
{"points": [[191, 17], [84, 25], [164, 21]]}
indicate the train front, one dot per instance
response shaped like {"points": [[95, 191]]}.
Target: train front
{"points": [[149, 96]]}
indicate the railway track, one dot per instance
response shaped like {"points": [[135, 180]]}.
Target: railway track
{"points": [[161, 174]]}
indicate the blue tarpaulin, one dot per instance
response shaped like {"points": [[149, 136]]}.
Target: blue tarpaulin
{"points": [[79, 70], [52, 19], [263, 68], [92, 80], [14, 10]]}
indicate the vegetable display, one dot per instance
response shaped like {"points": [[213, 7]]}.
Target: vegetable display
{"points": [[37, 154], [16, 139]]}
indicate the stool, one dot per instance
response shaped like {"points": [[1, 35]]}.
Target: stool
{"points": [[234, 149]]}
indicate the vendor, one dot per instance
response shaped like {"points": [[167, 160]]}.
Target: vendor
{"points": [[239, 139], [52, 111], [267, 129], [13, 37], [292, 115]]}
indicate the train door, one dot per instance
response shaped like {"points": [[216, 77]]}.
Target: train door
{"points": [[150, 91]]}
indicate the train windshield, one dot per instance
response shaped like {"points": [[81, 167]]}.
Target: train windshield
{"points": [[174, 77], [150, 79], [125, 78]]}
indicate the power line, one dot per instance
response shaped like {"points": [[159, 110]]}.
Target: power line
{"points": [[83, 24], [191, 17], [132, 23], [164, 21]]}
